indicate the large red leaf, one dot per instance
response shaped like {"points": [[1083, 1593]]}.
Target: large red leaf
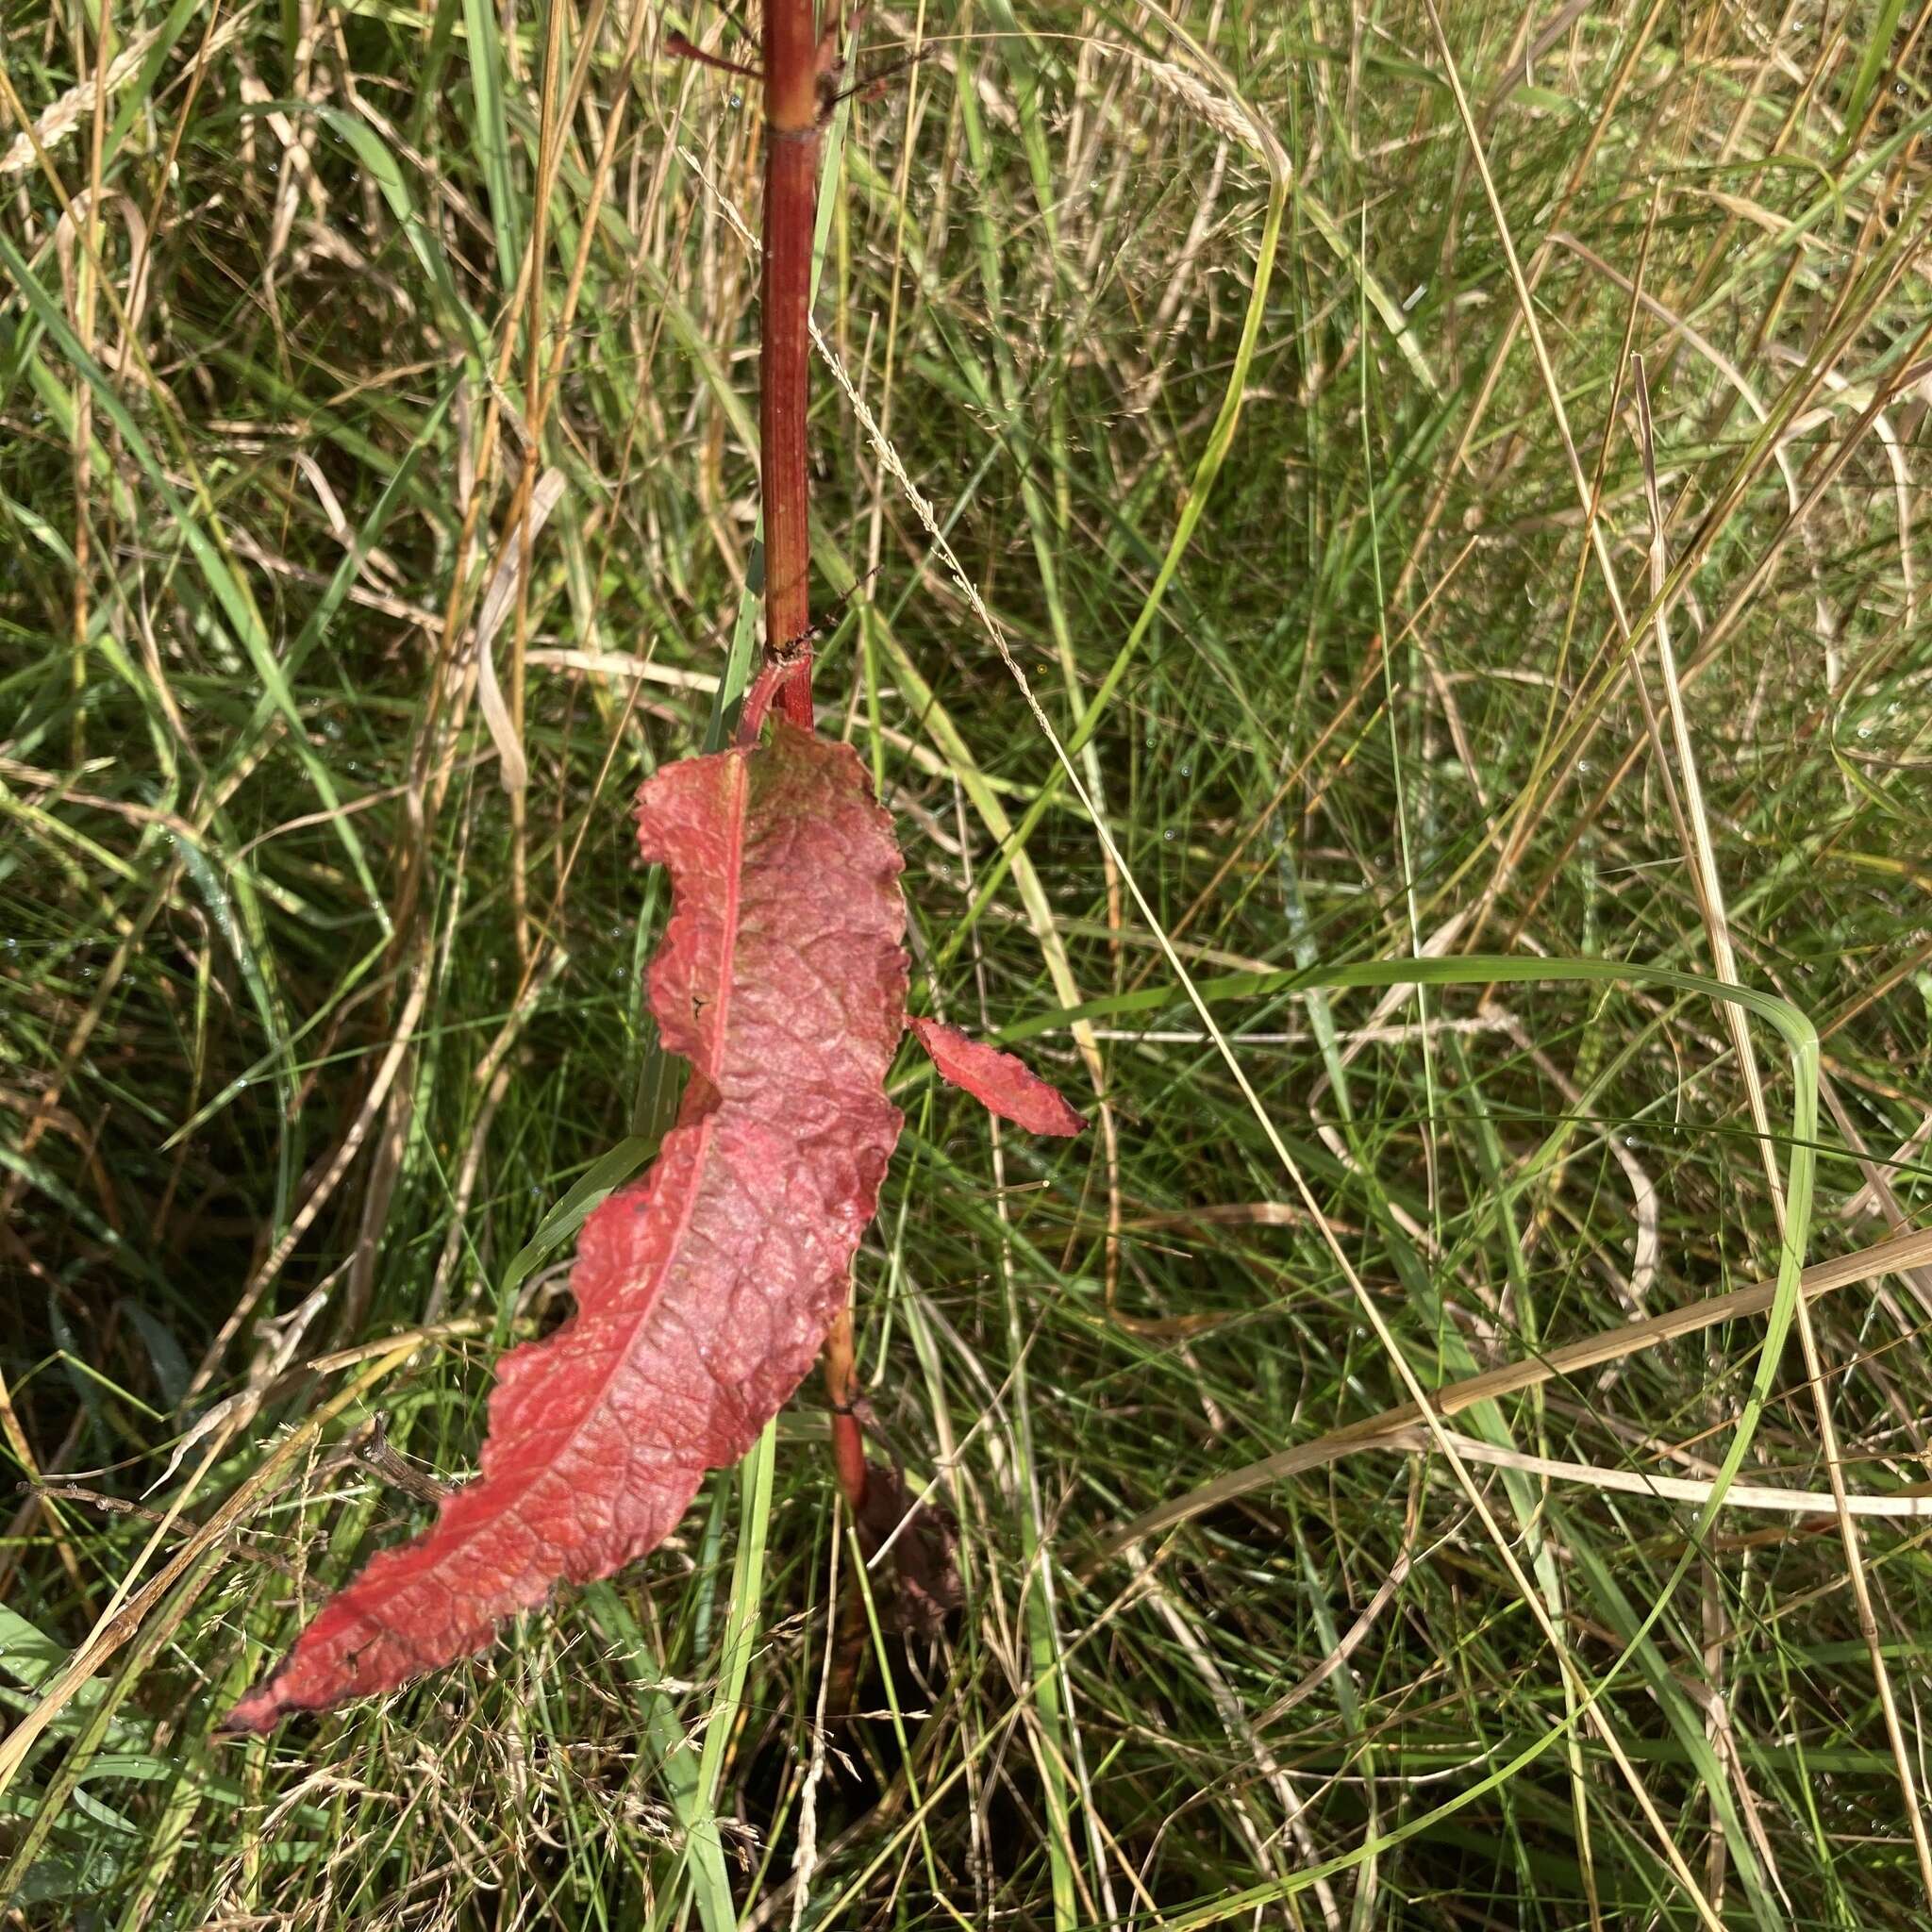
{"points": [[704, 1290]]}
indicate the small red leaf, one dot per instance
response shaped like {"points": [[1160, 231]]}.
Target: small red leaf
{"points": [[705, 1289], [1001, 1082], [685, 48]]}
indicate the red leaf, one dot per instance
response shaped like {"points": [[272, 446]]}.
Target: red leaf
{"points": [[705, 1289], [1001, 1082], [687, 49]]}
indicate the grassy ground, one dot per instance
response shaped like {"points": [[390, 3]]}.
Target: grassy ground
{"points": [[1462, 641]]}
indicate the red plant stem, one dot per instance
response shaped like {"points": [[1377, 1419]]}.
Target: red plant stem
{"points": [[791, 180], [842, 1390], [791, 169]]}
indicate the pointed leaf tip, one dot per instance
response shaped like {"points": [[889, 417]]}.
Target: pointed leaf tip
{"points": [[1001, 1082], [256, 1716]]}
